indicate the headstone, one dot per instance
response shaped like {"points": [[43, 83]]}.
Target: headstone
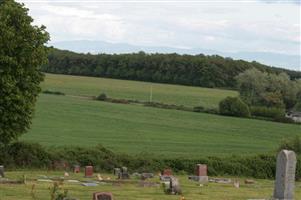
{"points": [[2, 171], [145, 176], [285, 175], [200, 174], [116, 171], [76, 169], [167, 172], [123, 174], [124, 169], [174, 186], [88, 171], [201, 170], [102, 196]]}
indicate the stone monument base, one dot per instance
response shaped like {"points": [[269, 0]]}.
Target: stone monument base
{"points": [[201, 179]]}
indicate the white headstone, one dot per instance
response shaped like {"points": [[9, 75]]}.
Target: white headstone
{"points": [[285, 175]]}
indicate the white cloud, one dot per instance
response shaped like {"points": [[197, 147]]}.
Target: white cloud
{"points": [[232, 26]]}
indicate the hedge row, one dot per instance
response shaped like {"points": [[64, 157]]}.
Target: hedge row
{"points": [[28, 155]]}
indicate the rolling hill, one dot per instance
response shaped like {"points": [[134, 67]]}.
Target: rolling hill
{"points": [[74, 120]]}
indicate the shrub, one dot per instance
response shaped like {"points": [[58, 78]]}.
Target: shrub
{"points": [[293, 144], [53, 92], [198, 109], [30, 155], [22, 154], [273, 112], [101, 97], [234, 106]]}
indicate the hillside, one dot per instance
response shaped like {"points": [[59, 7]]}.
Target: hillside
{"points": [[73, 120], [136, 90], [199, 70]]}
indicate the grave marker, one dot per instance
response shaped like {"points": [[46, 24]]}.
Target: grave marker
{"points": [[88, 171], [167, 172], [123, 174], [116, 171], [174, 186], [285, 175], [200, 174], [76, 169], [102, 196]]}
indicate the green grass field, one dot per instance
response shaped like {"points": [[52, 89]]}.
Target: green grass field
{"points": [[66, 120], [262, 189], [165, 93]]}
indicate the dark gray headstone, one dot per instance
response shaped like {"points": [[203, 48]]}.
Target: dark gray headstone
{"points": [[285, 175], [123, 173], [1, 171]]}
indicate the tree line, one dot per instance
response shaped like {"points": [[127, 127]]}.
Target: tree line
{"points": [[195, 70]]}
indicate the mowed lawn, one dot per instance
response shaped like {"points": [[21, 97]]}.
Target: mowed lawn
{"points": [[262, 189], [66, 120], [137, 90]]}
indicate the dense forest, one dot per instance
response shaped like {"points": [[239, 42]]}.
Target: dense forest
{"points": [[196, 70]]}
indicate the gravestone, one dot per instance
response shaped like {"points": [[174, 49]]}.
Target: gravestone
{"points": [[200, 174], [201, 170], [1, 171], [88, 171], [167, 172], [76, 169], [174, 186], [145, 176], [116, 171], [123, 174], [102, 196], [285, 175]]}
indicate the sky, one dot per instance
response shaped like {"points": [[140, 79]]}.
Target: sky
{"points": [[223, 25]]}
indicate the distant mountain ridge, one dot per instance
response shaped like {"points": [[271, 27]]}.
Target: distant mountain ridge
{"points": [[292, 62]]}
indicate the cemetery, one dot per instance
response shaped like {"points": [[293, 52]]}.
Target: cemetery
{"points": [[83, 183]]}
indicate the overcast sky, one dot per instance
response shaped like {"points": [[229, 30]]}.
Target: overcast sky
{"points": [[255, 25]]}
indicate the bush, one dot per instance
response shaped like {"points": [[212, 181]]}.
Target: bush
{"points": [[53, 92], [198, 109], [234, 106], [22, 154], [30, 155], [261, 111], [101, 97], [293, 144]]}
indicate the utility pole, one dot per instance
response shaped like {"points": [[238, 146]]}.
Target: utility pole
{"points": [[151, 94]]}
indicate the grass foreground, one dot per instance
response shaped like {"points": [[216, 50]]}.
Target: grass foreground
{"points": [[262, 189]]}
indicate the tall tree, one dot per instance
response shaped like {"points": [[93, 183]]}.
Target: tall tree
{"points": [[258, 88], [22, 52]]}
